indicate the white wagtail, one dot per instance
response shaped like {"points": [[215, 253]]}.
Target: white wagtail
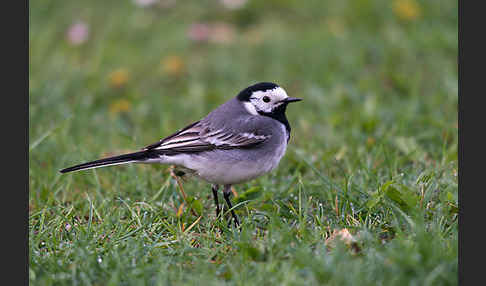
{"points": [[240, 140]]}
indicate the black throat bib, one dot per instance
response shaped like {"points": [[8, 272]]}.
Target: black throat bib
{"points": [[279, 114]]}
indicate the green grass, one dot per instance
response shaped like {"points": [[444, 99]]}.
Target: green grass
{"points": [[373, 148]]}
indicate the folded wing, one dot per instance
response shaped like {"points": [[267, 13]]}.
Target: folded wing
{"points": [[199, 137]]}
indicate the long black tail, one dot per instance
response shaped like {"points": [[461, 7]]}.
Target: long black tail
{"points": [[140, 156]]}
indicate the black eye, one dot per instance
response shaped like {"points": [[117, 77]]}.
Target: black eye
{"points": [[266, 99]]}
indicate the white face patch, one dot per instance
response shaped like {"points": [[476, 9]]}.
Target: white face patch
{"points": [[265, 101], [250, 108]]}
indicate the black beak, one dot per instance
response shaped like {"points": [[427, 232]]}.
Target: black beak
{"points": [[291, 99]]}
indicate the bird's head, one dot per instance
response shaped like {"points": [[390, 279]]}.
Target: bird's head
{"points": [[265, 98]]}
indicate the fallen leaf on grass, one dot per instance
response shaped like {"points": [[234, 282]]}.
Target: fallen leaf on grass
{"points": [[118, 78], [407, 9], [180, 210], [120, 106], [234, 192], [345, 236], [173, 65]]}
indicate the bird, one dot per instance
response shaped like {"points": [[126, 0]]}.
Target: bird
{"points": [[240, 140]]}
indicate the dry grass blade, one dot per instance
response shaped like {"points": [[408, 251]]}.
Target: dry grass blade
{"points": [[193, 224], [181, 189], [179, 210]]}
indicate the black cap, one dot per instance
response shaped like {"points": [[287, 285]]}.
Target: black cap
{"points": [[246, 93]]}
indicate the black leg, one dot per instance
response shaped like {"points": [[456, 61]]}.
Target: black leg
{"points": [[215, 188], [227, 194]]}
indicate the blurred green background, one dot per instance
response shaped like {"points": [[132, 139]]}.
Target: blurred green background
{"points": [[373, 148]]}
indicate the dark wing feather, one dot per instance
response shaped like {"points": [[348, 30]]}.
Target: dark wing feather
{"points": [[199, 137], [190, 129]]}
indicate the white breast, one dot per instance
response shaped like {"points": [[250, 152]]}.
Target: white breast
{"points": [[279, 152]]}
